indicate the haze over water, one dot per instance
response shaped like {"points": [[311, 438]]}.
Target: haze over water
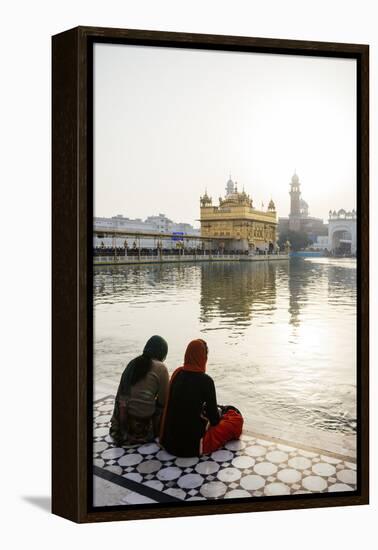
{"points": [[281, 335]]}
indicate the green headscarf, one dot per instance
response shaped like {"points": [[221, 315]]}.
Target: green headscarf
{"points": [[155, 348]]}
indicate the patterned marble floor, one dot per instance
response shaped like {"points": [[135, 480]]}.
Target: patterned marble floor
{"points": [[250, 467]]}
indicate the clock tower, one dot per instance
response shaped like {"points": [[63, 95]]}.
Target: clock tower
{"points": [[295, 203]]}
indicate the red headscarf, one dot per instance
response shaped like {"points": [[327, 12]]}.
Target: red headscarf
{"points": [[194, 361], [195, 356]]}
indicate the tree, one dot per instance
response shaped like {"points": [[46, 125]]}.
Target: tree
{"points": [[298, 239]]}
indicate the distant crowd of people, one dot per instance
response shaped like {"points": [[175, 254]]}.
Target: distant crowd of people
{"points": [[121, 251], [183, 251]]}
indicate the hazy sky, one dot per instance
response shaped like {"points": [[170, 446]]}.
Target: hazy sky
{"points": [[169, 123]]}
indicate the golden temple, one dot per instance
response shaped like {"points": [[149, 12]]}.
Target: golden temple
{"points": [[238, 222]]}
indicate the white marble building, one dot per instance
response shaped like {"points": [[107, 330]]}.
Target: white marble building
{"points": [[342, 231], [152, 224]]}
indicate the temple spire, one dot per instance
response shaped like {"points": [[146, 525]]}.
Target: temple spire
{"points": [[229, 186]]}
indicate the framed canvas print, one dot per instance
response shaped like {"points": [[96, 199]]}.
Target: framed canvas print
{"points": [[210, 274]]}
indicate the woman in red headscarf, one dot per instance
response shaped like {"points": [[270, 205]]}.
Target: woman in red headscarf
{"points": [[192, 424]]}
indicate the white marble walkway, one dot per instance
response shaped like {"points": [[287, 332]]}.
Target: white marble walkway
{"points": [[253, 466]]}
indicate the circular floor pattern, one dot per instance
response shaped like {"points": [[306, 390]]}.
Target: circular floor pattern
{"points": [[339, 487], [265, 468], [330, 459], [229, 475], [114, 452], [164, 455], [221, 456], [190, 481], [269, 468], [245, 437], [99, 446], [213, 489], [99, 432], [255, 450], [207, 467], [130, 460], [243, 462], [149, 466], [289, 475], [299, 463], [186, 462], [347, 476], [277, 457], [154, 484], [169, 473], [148, 449], [314, 483], [324, 469], [235, 445], [252, 482], [276, 489], [103, 419], [133, 476], [173, 492], [106, 408]]}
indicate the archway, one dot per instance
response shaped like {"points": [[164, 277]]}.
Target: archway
{"points": [[341, 243]]}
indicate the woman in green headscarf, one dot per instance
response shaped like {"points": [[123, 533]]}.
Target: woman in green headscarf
{"points": [[141, 395]]}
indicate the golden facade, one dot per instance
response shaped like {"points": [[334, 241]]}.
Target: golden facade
{"points": [[236, 224]]}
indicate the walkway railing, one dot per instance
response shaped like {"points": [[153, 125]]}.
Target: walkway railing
{"points": [[182, 258]]}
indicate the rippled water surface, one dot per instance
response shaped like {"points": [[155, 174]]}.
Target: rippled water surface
{"points": [[281, 335]]}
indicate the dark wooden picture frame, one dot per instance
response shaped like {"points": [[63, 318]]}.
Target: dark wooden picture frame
{"points": [[72, 211]]}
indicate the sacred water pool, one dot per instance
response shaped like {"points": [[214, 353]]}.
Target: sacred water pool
{"points": [[281, 335]]}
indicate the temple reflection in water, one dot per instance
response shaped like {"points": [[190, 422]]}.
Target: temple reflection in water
{"points": [[235, 293]]}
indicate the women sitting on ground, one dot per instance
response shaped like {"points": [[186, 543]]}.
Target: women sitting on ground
{"points": [[192, 423], [141, 396]]}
